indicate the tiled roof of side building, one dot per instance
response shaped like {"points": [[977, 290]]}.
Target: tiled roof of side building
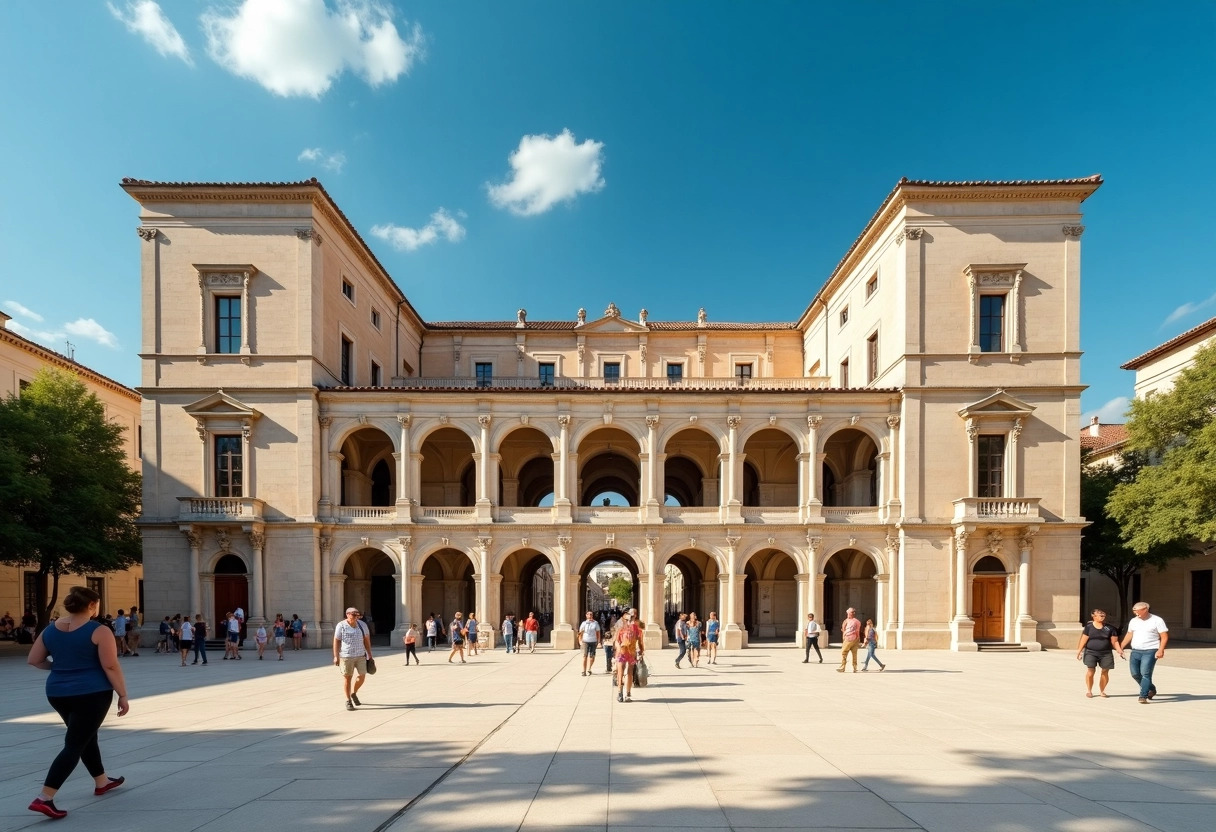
{"points": [[1107, 435], [1208, 327], [62, 361]]}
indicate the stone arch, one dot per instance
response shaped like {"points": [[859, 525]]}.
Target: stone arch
{"points": [[342, 554], [446, 455], [700, 571], [750, 429], [773, 455], [372, 584], [1008, 565], [344, 428], [602, 467], [849, 582], [770, 593], [361, 450], [423, 554], [669, 432], [447, 582], [605, 554], [528, 584], [625, 426], [502, 430], [496, 563], [525, 465], [784, 546], [851, 454], [580, 561], [213, 562], [835, 426], [423, 429], [691, 466]]}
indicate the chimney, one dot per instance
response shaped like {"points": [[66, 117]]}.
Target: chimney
{"points": [[4, 319], [1095, 428]]}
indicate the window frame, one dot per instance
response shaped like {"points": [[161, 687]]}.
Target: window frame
{"points": [[983, 483], [224, 280], [346, 359], [987, 280], [376, 371], [540, 373], [217, 486], [376, 318], [347, 283], [488, 381], [615, 377], [872, 365], [678, 366], [218, 339], [871, 286], [843, 316], [843, 369], [1002, 336]]}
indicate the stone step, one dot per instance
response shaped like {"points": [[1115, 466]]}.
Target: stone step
{"points": [[1000, 647]]}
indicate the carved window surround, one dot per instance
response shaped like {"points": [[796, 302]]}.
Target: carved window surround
{"points": [[998, 414], [222, 415], [223, 281], [996, 279]]}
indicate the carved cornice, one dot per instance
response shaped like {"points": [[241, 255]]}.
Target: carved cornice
{"points": [[733, 422], [147, 234]]}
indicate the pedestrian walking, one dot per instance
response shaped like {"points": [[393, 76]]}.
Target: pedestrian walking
{"points": [[473, 645], [259, 638], [200, 639], [629, 649], [694, 640], [850, 631], [279, 628], [120, 633], [232, 625], [458, 636], [592, 637], [185, 638], [713, 628], [82, 658], [681, 633], [812, 638], [411, 644], [1096, 648], [1148, 636], [508, 632], [352, 650], [162, 641], [297, 632], [531, 631], [432, 632], [175, 633], [134, 620], [870, 637]]}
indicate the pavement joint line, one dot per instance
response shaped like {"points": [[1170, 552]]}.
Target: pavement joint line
{"points": [[400, 813]]}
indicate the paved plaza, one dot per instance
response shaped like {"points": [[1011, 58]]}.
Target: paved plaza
{"points": [[939, 741]]}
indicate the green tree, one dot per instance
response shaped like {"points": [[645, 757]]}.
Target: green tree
{"points": [[1172, 500], [68, 499], [1103, 547], [620, 589]]}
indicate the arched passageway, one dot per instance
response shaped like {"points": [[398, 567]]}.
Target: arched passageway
{"points": [[690, 469], [770, 595], [447, 470], [692, 576], [447, 585], [770, 474], [371, 585], [231, 588], [525, 467], [849, 582], [850, 475], [368, 478], [527, 586], [608, 464], [600, 570]]}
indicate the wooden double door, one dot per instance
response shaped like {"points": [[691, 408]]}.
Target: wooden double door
{"points": [[988, 607]]}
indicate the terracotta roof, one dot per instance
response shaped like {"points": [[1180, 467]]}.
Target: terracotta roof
{"points": [[1108, 435], [992, 185], [129, 184], [1194, 333], [571, 326], [67, 363]]}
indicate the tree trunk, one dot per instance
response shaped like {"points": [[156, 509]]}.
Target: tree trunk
{"points": [[40, 601]]}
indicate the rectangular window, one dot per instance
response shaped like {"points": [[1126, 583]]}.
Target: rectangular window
{"points": [[227, 324], [992, 323], [991, 449], [348, 290], [21, 385], [743, 373], [484, 371], [375, 374], [612, 372], [872, 358], [844, 316], [347, 360], [548, 374], [675, 373], [844, 373], [30, 591], [98, 585], [375, 319], [871, 286], [1201, 599], [228, 466]]}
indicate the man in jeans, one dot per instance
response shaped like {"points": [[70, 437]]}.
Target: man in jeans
{"points": [[681, 637], [850, 632], [1148, 636], [812, 638]]}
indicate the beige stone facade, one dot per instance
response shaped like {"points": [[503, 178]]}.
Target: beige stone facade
{"points": [[20, 361], [904, 446]]}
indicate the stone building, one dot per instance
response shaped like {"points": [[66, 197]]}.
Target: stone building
{"points": [[20, 361], [904, 445]]}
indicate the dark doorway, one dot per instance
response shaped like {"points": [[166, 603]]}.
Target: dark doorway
{"points": [[231, 587], [384, 603]]}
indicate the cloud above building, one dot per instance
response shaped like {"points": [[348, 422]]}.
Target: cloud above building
{"points": [[1188, 309], [546, 170], [330, 161], [300, 47], [442, 226], [1114, 412], [56, 336], [146, 19]]}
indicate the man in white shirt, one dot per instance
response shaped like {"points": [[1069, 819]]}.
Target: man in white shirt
{"points": [[1148, 636], [592, 638], [120, 632], [352, 649], [812, 638]]}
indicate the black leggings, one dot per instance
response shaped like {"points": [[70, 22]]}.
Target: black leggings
{"points": [[410, 650], [83, 715], [812, 643]]}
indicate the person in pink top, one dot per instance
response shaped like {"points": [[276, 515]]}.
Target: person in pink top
{"points": [[850, 631]]}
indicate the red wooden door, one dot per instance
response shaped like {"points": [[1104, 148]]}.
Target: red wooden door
{"points": [[988, 608], [231, 591]]}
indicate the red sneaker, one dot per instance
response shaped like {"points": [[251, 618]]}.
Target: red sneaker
{"points": [[114, 783], [47, 807]]}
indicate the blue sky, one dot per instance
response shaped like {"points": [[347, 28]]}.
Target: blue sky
{"points": [[558, 155]]}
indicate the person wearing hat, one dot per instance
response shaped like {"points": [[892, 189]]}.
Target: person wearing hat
{"points": [[352, 649]]}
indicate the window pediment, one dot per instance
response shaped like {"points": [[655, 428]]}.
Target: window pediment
{"points": [[219, 412], [1000, 405]]}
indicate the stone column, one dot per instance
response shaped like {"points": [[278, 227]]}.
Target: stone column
{"points": [[814, 505], [734, 636], [405, 493], [335, 478], [973, 431], [246, 278], [734, 472], [246, 459], [962, 628], [654, 477], [563, 625], [482, 459], [325, 506], [892, 474], [1011, 477], [404, 592], [337, 598], [881, 587], [257, 591], [415, 605], [481, 579], [561, 497], [207, 600], [804, 581], [194, 537], [892, 622], [1025, 627], [820, 577], [323, 620]]}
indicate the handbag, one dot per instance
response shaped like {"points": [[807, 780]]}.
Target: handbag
{"points": [[371, 667], [643, 673]]}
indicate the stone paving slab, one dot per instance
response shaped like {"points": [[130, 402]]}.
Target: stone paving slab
{"points": [[941, 741]]}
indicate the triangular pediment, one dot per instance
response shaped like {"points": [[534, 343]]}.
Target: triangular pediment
{"points": [[220, 405], [999, 403], [613, 324]]}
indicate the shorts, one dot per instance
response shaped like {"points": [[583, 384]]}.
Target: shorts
{"points": [[280, 640], [626, 658], [589, 649], [349, 667], [1104, 660], [185, 644], [233, 638], [712, 639]]}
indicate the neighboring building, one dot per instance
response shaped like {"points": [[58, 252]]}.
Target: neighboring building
{"points": [[1183, 593], [20, 361], [905, 446], [1102, 444]]}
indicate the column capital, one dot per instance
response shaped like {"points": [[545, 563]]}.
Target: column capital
{"points": [[733, 422], [813, 421], [404, 419]]}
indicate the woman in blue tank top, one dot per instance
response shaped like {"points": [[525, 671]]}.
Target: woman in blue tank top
{"points": [[82, 657]]}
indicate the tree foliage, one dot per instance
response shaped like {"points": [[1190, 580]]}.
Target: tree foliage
{"points": [[1174, 499], [620, 589], [1103, 547], [68, 499]]}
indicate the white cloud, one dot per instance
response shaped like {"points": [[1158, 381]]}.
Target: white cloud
{"points": [[23, 311], [89, 328], [1187, 309], [299, 47], [1113, 412], [146, 19], [333, 161], [547, 170], [442, 224]]}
